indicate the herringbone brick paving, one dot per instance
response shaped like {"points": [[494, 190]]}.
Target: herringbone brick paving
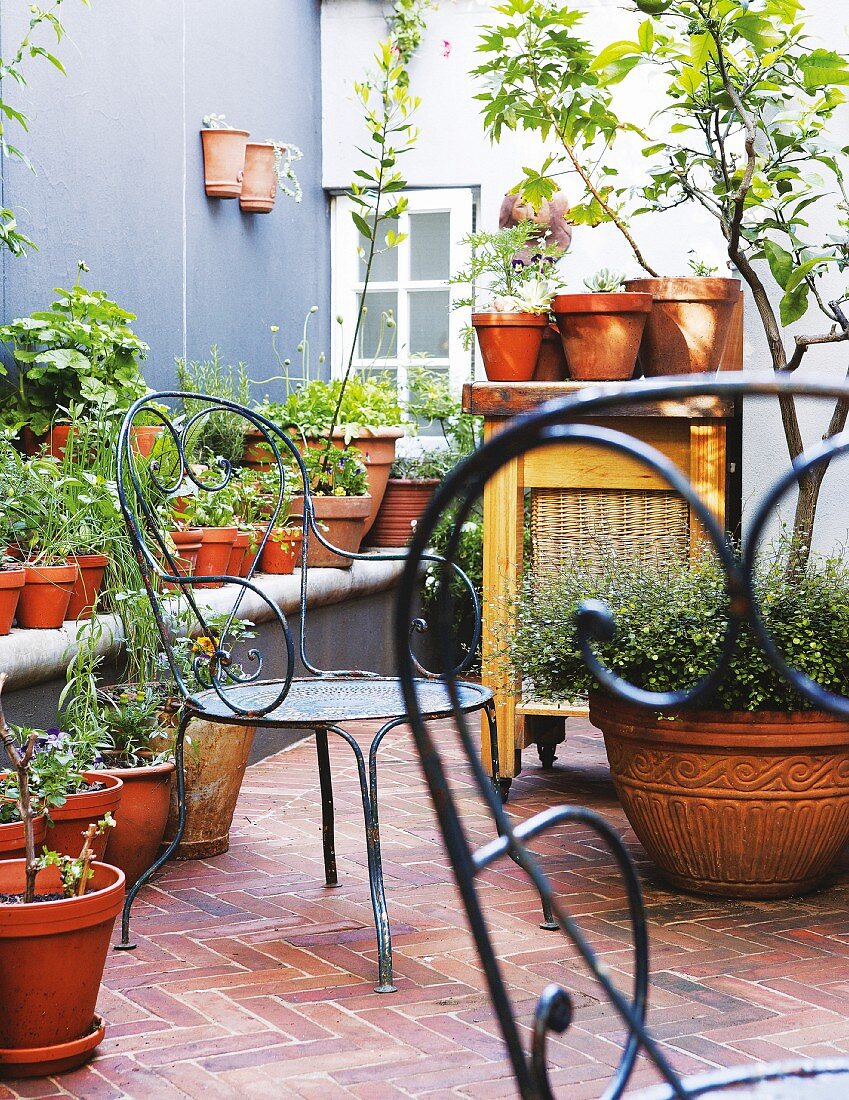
{"points": [[251, 979]]}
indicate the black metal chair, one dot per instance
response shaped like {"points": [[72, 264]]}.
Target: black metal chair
{"points": [[557, 422], [228, 685]]}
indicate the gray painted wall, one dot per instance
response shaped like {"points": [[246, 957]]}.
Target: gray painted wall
{"points": [[119, 178]]}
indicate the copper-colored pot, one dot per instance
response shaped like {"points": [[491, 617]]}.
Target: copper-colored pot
{"points": [[601, 333], [223, 162], [509, 344]]}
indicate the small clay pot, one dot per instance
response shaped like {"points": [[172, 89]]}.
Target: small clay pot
{"points": [[214, 554], [551, 361], [11, 583], [259, 182], [89, 580], [509, 344], [133, 844], [144, 437], [237, 554], [44, 599], [601, 333], [341, 521], [282, 557], [82, 809], [223, 162]]}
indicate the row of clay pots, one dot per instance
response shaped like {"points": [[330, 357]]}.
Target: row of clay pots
{"points": [[42, 597], [671, 326], [235, 168], [229, 552], [55, 442]]}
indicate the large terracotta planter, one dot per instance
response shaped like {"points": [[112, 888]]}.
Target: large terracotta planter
{"points": [[732, 803], [216, 755], [601, 333], [12, 843], [403, 506], [89, 580], [214, 554], [282, 557], [80, 810], [44, 599], [509, 344], [145, 799], [377, 450], [223, 162], [259, 181], [341, 521], [52, 956], [11, 583], [688, 325]]}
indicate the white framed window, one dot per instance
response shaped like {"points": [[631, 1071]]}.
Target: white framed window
{"points": [[408, 282]]}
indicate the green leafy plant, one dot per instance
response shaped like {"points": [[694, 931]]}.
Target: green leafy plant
{"points": [[511, 285], [365, 402], [700, 268], [335, 471], [220, 433], [605, 281], [80, 352], [75, 872]]}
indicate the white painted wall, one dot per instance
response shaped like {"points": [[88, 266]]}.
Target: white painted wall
{"points": [[454, 152]]}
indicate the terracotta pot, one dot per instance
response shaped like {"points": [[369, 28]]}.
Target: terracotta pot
{"points": [[44, 599], [341, 521], [259, 182], [216, 756], [402, 508], [377, 450], [81, 810], [51, 1060], [214, 554], [89, 580], [251, 552], [257, 453], [52, 955], [281, 558], [237, 554], [11, 583], [223, 162], [30, 442], [601, 333], [551, 361], [509, 344], [12, 844], [144, 436], [145, 798], [689, 323], [57, 439], [737, 804]]}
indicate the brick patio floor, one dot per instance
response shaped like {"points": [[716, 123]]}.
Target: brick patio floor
{"points": [[253, 980]]}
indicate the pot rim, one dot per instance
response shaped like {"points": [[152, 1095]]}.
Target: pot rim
{"points": [[57, 574], [47, 918], [509, 320], [90, 560], [618, 302], [687, 288], [224, 130], [671, 719], [167, 766], [14, 577]]}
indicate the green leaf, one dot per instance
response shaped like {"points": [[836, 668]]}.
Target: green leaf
{"points": [[361, 224], [780, 262], [823, 68], [794, 304]]}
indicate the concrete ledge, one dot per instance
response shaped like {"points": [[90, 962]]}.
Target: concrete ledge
{"points": [[30, 657]]}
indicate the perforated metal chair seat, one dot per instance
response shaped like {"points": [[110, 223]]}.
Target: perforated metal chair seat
{"points": [[327, 701]]}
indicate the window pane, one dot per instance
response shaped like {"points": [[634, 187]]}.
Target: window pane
{"points": [[430, 244], [384, 268], [429, 323], [377, 339]]}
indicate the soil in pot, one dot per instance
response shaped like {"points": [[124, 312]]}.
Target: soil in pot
{"points": [[223, 162], [214, 554], [89, 580], [282, 557], [145, 799], [341, 521], [44, 599], [734, 804], [403, 505], [259, 181], [601, 333], [12, 845], [52, 956], [510, 344], [688, 326], [100, 796], [216, 755], [11, 583]]}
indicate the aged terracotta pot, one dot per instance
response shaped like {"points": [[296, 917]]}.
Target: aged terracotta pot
{"points": [[601, 333], [689, 323], [282, 557], [736, 804], [89, 580], [12, 844], [509, 344], [257, 454], [44, 599], [259, 181], [237, 554], [187, 542], [11, 583], [52, 956], [402, 508], [341, 521], [214, 554], [551, 361], [377, 450], [145, 800], [223, 162], [143, 437], [82, 809], [216, 755]]}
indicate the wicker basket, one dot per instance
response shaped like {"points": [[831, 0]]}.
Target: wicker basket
{"points": [[594, 525]]}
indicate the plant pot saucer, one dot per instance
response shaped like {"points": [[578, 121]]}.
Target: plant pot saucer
{"points": [[59, 1058]]}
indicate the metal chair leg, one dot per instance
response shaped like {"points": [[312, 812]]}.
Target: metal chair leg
{"points": [[328, 827], [375, 871], [125, 944]]}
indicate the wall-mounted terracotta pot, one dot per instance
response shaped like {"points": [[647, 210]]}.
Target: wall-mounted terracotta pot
{"points": [[223, 162], [44, 599], [259, 183], [689, 323], [509, 344], [89, 581], [601, 333], [11, 583]]}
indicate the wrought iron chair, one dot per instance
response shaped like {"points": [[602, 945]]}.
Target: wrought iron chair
{"points": [[226, 685], [557, 422]]}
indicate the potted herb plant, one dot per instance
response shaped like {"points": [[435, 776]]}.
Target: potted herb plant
{"points": [[213, 515], [223, 157], [601, 330], [267, 166], [340, 502]]}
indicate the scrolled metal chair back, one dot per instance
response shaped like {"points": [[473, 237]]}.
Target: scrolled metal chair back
{"points": [[557, 423]]}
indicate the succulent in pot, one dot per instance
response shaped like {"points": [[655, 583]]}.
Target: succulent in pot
{"points": [[269, 165]]}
